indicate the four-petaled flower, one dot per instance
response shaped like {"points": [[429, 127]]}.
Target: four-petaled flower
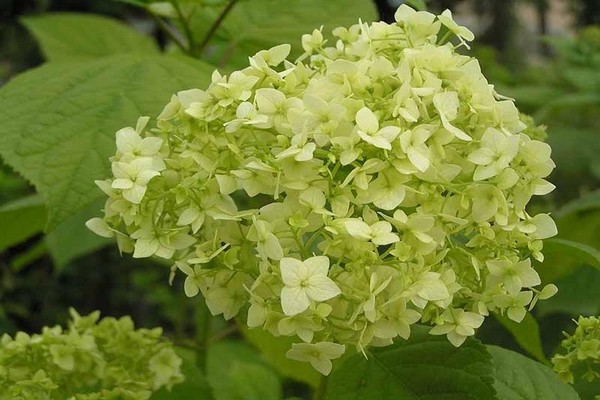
{"points": [[305, 281], [368, 130], [318, 354], [457, 324]]}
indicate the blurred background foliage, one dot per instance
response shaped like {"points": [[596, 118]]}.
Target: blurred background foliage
{"points": [[543, 53]]}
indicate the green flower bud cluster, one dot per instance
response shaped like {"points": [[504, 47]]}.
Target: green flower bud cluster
{"points": [[90, 360], [582, 351], [377, 182]]}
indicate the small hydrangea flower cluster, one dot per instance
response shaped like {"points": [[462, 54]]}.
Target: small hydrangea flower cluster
{"points": [[371, 185], [582, 350], [91, 360]]}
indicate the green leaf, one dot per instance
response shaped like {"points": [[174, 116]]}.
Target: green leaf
{"points": [[587, 202], [520, 378], [582, 252], [418, 5], [578, 294], [273, 349], [236, 372], [195, 386], [532, 96], [587, 390], [72, 239], [58, 121], [21, 219], [423, 367], [581, 227], [567, 139], [261, 24], [526, 333], [27, 257], [69, 36]]}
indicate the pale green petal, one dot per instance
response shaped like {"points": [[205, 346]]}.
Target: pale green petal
{"points": [[418, 159], [99, 227], [145, 248], [272, 247], [294, 300], [317, 265], [498, 267], [471, 319], [135, 194], [188, 216], [456, 339], [293, 271], [517, 314], [433, 290], [127, 140], [356, 228], [367, 121], [545, 226], [321, 288], [190, 286], [391, 199], [122, 183], [330, 350], [441, 329], [482, 156], [150, 146]]}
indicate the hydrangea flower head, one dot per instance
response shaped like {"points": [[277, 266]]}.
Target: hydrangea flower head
{"points": [[581, 352], [377, 182]]}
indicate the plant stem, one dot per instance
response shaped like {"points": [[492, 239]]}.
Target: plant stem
{"points": [[202, 332], [165, 28], [321, 391], [216, 25], [191, 45]]}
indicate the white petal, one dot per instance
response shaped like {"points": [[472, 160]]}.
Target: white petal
{"points": [[318, 265], [367, 121], [321, 288], [99, 227], [145, 248], [135, 194], [294, 300], [418, 160], [292, 271], [456, 339], [127, 140]]}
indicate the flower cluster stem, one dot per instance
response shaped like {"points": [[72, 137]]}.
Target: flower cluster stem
{"points": [[321, 391], [203, 318], [216, 25]]}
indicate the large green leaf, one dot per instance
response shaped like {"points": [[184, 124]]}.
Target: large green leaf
{"points": [[568, 140], [584, 253], [260, 24], [195, 386], [578, 236], [588, 202], [526, 333], [69, 36], [587, 390], [425, 367], [578, 294], [236, 372], [58, 121], [273, 349], [72, 239], [520, 378], [20, 219]]}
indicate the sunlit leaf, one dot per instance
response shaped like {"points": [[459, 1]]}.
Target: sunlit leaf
{"points": [[71, 36]]}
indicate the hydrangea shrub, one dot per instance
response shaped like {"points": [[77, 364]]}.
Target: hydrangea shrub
{"points": [[376, 182], [92, 359]]}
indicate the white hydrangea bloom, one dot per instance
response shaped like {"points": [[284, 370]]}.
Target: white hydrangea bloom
{"points": [[375, 183]]}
